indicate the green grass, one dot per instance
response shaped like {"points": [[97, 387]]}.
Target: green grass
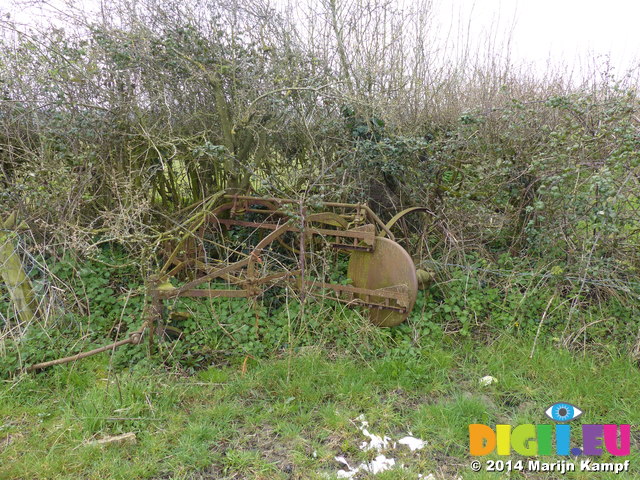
{"points": [[289, 417]]}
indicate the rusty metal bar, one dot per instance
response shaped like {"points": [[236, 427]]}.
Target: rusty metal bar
{"points": [[271, 278], [218, 273], [358, 302], [391, 293], [197, 292], [364, 236]]}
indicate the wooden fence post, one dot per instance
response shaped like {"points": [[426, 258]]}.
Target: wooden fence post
{"points": [[13, 275]]}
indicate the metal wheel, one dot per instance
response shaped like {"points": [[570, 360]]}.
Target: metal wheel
{"points": [[389, 265]]}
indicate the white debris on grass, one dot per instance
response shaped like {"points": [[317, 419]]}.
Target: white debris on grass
{"points": [[350, 472], [381, 463], [413, 443], [487, 380], [375, 443], [378, 465], [362, 420], [346, 474]]}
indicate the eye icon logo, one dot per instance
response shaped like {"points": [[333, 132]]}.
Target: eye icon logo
{"points": [[563, 412]]}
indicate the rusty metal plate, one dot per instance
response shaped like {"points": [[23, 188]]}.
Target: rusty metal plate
{"points": [[389, 265]]}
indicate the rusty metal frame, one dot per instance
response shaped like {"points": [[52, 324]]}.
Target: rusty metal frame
{"points": [[355, 228]]}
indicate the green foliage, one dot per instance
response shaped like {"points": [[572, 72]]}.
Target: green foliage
{"points": [[108, 296], [110, 288], [478, 300], [474, 299]]}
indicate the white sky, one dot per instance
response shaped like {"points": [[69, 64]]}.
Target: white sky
{"points": [[566, 33]]}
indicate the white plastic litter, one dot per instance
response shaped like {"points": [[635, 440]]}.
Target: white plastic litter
{"points": [[362, 420], [413, 443], [349, 473], [381, 463], [375, 443], [378, 465], [488, 380], [346, 474]]}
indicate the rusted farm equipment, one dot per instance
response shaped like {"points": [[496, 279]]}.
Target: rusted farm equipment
{"points": [[382, 276]]}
